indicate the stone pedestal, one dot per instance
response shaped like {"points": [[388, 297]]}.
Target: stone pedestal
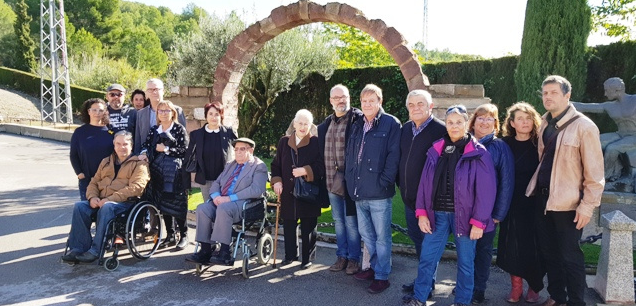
{"points": [[611, 201], [614, 277], [446, 95]]}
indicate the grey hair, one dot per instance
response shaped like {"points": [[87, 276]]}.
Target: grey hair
{"points": [[157, 82], [420, 93], [566, 87], [303, 113], [127, 135], [341, 87]]}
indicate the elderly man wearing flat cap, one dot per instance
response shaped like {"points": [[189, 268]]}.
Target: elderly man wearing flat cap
{"points": [[122, 116], [241, 180]]}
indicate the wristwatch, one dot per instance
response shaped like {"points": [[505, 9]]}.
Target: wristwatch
{"points": [[165, 149]]}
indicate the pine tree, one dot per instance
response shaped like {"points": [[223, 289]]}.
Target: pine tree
{"points": [[25, 57], [554, 42]]}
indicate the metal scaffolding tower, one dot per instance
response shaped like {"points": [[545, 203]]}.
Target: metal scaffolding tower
{"points": [[55, 86], [425, 25]]}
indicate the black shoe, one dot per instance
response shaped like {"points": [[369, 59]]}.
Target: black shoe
{"points": [[70, 257], [183, 242], [199, 257], [169, 241], [305, 265], [86, 257], [478, 297], [408, 288], [223, 256]]}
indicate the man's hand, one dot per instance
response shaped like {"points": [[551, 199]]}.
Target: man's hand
{"points": [[220, 200], [160, 147], [476, 233], [278, 188], [581, 220], [424, 224], [102, 202], [496, 221], [94, 202], [81, 176], [142, 157]]}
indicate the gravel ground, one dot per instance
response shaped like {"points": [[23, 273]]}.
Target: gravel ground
{"points": [[16, 105]]}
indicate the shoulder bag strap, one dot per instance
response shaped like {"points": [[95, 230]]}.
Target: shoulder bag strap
{"points": [[554, 137]]}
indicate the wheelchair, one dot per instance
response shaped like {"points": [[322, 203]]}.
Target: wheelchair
{"points": [[139, 228], [256, 215]]}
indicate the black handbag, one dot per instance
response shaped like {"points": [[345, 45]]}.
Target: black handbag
{"points": [[303, 190], [191, 165]]}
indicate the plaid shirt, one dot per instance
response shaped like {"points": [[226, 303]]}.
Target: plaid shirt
{"points": [[335, 149], [367, 126]]}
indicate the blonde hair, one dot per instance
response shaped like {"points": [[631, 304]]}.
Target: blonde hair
{"points": [[525, 107], [484, 109], [173, 110], [371, 88]]}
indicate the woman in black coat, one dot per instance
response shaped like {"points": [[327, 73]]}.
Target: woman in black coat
{"points": [[298, 154], [165, 148], [211, 147]]}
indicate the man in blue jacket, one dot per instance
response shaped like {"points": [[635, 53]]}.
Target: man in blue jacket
{"points": [[371, 166]]}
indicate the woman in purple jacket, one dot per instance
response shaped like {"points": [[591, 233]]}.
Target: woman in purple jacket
{"points": [[456, 194]]}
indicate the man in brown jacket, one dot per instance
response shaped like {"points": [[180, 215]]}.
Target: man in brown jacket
{"points": [[119, 177], [568, 184]]}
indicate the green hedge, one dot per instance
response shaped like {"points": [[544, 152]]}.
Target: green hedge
{"points": [[30, 83]]}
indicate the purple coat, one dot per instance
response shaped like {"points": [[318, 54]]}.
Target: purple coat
{"points": [[475, 187]]}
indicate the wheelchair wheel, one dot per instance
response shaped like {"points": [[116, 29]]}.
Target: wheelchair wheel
{"points": [[111, 264], [246, 264], [143, 228], [264, 248]]}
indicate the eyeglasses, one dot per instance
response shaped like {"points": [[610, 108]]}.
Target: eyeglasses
{"points": [[456, 109], [485, 119], [164, 111], [154, 89], [114, 94], [240, 149], [336, 98], [96, 110]]}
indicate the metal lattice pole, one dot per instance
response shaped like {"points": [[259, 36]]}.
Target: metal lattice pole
{"points": [[55, 86]]}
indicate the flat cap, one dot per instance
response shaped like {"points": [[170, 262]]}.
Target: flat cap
{"points": [[244, 140]]}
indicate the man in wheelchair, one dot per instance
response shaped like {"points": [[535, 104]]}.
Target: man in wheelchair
{"points": [[119, 177], [243, 179]]}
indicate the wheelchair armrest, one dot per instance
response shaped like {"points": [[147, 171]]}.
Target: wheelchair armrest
{"points": [[254, 200], [134, 199]]}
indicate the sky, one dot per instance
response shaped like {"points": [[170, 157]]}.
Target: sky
{"points": [[491, 28]]}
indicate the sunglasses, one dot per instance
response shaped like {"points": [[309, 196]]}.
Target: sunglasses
{"points": [[456, 109], [114, 94]]}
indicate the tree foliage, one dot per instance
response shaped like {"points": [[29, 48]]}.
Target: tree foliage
{"points": [[7, 34], [356, 48], [554, 42], [426, 56], [616, 17], [83, 42], [25, 58]]}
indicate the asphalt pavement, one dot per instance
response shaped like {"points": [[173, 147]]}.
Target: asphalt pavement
{"points": [[37, 192]]}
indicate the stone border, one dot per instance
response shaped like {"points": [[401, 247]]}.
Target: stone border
{"points": [[244, 47]]}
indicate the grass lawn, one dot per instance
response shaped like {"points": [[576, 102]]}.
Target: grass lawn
{"points": [[591, 251]]}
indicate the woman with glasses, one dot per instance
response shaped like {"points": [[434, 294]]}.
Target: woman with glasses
{"points": [[138, 99], [90, 143], [484, 125], [455, 195], [298, 155], [517, 251], [164, 149], [210, 147]]}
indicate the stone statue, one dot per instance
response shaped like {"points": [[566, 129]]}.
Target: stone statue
{"points": [[619, 148]]}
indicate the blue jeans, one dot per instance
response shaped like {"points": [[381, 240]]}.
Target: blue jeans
{"points": [[79, 239], [483, 260], [374, 223], [83, 185], [432, 249], [347, 235]]}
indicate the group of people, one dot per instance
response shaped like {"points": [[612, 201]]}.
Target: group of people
{"points": [[539, 183]]}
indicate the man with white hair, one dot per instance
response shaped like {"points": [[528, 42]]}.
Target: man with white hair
{"points": [[147, 116]]}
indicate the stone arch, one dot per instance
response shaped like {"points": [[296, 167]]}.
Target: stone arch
{"points": [[244, 46]]}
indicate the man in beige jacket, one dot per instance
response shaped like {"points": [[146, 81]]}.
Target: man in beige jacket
{"points": [[568, 183], [119, 177]]}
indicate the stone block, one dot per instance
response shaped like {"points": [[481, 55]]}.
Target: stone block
{"points": [[417, 82], [197, 91], [442, 90], [615, 278], [198, 113], [279, 16], [348, 12], [332, 9], [303, 9], [377, 28], [316, 11], [410, 69], [392, 38], [402, 55], [469, 91], [267, 25]]}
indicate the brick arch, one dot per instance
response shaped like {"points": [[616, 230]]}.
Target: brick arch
{"points": [[244, 46]]}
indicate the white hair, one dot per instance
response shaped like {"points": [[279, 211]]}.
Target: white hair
{"points": [[344, 89], [420, 93], [304, 114], [156, 81]]}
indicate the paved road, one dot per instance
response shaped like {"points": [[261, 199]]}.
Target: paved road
{"points": [[37, 191]]}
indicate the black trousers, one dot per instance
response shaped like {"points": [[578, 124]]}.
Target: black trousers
{"points": [[558, 241], [307, 235], [181, 223]]}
